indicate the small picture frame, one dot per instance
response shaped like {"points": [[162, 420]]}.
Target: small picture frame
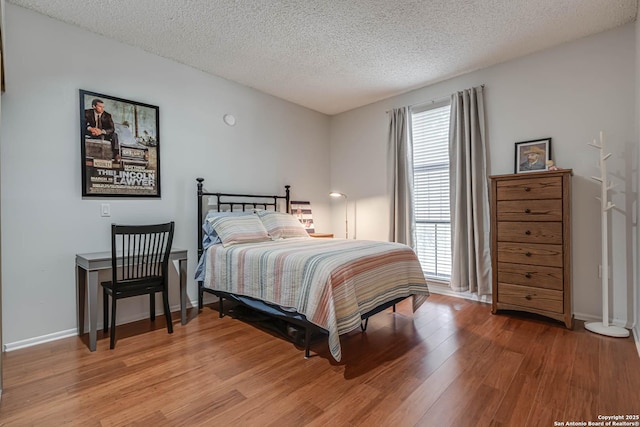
{"points": [[302, 211], [533, 156]]}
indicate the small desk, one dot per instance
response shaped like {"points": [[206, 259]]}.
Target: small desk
{"points": [[87, 267]]}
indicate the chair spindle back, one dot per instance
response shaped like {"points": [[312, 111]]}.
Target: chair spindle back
{"points": [[144, 250]]}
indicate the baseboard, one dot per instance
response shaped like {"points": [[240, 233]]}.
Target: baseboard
{"points": [[436, 288], [74, 332], [591, 318], [40, 340], [440, 289], [588, 317], [433, 288]]}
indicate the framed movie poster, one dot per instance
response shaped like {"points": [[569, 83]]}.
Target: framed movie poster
{"points": [[120, 145]]}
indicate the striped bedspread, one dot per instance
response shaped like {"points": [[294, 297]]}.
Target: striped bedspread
{"points": [[331, 281]]}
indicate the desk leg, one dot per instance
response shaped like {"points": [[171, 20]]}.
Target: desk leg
{"points": [[93, 308], [81, 289], [183, 291]]}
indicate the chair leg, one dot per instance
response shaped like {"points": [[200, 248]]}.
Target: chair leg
{"points": [[152, 305], [167, 311], [112, 340], [105, 310]]}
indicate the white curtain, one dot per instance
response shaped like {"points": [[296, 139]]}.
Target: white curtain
{"points": [[470, 227], [400, 170]]}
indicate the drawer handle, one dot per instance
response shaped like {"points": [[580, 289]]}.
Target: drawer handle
{"points": [[527, 211], [528, 232], [527, 188], [528, 297], [528, 254], [528, 275]]}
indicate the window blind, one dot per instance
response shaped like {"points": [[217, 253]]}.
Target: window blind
{"points": [[430, 139]]}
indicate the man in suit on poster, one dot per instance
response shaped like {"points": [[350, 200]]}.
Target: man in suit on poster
{"points": [[99, 125]]}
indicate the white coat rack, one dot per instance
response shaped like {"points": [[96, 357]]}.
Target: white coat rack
{"points": [[604, 328]]}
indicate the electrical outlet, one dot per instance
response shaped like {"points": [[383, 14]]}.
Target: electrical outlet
{"points": [[105, 209]]}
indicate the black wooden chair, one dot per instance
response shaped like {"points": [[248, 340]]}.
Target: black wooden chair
{"points": [[139, 265]]}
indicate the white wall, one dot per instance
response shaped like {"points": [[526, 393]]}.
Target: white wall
{"points": [[45, 221], [2, 9], [569, 93], [637, 135]]}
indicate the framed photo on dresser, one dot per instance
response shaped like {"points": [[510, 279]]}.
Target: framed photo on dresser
{"points": [[120, 147], [533, 156]]}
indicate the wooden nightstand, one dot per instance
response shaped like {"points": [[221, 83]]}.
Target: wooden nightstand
{"points": [[325, 235]]}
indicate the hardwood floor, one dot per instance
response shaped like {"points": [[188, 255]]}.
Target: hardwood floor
{"points": [[451, 363]]}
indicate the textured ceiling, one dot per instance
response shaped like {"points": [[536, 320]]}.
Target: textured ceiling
{"points": [[333, 56]]}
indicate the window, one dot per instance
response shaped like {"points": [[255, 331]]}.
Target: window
{"points": [[430, 139]]}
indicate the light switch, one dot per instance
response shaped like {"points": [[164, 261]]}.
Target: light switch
{"points": [[106, 209]]}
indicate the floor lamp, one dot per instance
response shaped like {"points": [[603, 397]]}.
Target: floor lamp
{"points": [[346, 212]]}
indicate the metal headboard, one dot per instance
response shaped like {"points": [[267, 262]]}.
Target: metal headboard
{"points": [[236, 202]]}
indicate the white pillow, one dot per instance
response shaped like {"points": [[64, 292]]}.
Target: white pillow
{"points": [[210, 237], [281, 225], [233, 230]]}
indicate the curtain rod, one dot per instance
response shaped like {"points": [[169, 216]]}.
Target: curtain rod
{"points": [[432, 101]]}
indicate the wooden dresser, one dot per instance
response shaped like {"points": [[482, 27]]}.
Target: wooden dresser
{"points": [[531, 243]]}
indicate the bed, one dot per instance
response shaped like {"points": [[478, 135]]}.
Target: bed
{"points": [[252, 251]]}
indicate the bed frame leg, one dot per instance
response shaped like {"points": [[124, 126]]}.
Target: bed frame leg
{"points": [[394, 308], [200, 295], [220, 311], [366, 323], [307, 341]]}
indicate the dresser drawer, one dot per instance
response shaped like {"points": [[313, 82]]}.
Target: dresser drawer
{"points": [[530, 210], [530, 232], [530, 253], [531, 275], [526, 296], [532, 188]]}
